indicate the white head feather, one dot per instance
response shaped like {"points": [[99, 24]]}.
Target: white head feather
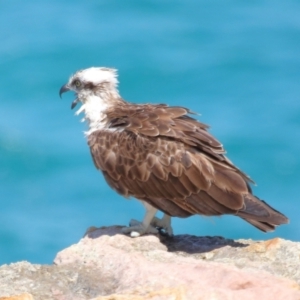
{"points": [[98, 75], [97, 99]]}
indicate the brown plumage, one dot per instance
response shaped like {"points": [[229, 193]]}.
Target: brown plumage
{"points": [[162, 156]]}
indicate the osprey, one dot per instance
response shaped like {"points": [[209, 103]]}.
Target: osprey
{"points": [[162, 156]]}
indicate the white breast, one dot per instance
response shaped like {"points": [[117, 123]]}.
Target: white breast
{"points": [[94, 108]]}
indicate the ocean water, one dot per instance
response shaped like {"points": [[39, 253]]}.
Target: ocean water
{"points": [[236, 63]]}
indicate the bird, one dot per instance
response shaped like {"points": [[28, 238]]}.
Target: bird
{"points": [[162, 156]]}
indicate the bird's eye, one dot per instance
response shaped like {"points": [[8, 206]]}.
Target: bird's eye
{"points": [[77, 83]]}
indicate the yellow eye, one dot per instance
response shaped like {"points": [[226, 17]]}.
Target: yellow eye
{"points": [[77, 83]]}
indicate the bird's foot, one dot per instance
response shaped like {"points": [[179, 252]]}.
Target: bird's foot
{"points": [[163, 224], [137, 228]]}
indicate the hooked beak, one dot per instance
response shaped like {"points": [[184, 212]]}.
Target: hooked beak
{"points": [[66, 88], [63, 89]]}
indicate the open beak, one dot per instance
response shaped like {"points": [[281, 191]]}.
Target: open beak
{"points": [[66, 88], [74, 103]]}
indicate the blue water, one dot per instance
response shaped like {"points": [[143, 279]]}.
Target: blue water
{"points": [[235, 62]]}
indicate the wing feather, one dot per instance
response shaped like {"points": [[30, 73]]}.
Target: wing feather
{"points": [[161, 155], [186, 182], [204, 199]]}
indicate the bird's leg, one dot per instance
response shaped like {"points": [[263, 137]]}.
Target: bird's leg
{"points": [[163, 223], [137, 228]]}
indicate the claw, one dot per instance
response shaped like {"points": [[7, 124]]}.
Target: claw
{"points": [[163, 225], [137, 229]]}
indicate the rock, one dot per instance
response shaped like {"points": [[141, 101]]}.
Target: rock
{"points": [[106, 264], [18, 297], [277, 256]]}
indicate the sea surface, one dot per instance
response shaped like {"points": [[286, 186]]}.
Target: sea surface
{"points": [[237, 63]]}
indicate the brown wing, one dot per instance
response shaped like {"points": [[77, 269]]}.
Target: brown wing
{"points": [[163, 156]]}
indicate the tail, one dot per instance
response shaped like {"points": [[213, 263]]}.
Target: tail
{"points": [[261, 215]]}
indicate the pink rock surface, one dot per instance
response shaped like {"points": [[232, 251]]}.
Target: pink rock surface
{"points": [[143, 264]]}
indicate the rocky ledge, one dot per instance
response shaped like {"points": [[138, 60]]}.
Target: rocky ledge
{"points": [[106, 264]]}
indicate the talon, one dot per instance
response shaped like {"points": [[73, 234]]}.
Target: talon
{"points": [[164, 233], [137, 229], [163, 225]]}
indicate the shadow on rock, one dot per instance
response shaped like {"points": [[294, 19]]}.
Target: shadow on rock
{"points": [[190, 244], [194, 244]]}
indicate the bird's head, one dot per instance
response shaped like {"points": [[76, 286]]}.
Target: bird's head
{"points": [[87, 83]]}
